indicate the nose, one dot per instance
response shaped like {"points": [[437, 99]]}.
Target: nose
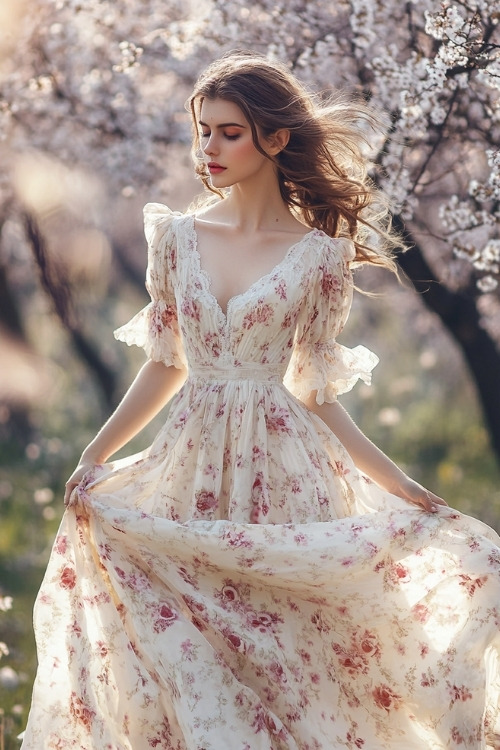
{"points": [[210, 146]]}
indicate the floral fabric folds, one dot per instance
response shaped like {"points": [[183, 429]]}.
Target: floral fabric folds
{"points": [[240, 584]]}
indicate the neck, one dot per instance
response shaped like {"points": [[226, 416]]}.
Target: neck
{"points": [[256, 205]]}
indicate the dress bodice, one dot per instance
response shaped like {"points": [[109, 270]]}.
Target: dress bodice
{"points": [[287, 321]]}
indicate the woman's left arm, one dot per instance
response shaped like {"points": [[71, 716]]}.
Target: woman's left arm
{"points": [[370, 459]]}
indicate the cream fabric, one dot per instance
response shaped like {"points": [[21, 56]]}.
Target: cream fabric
{"points": [[240, 584]]}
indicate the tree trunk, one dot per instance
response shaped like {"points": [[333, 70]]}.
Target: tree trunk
{"points": [[58, 290], [459, 313]]}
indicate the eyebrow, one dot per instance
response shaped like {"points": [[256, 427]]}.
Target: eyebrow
{"points": [[224, 125]]}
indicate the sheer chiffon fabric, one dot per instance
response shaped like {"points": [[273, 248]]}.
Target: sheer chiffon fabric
{"points": [[240, 584]]}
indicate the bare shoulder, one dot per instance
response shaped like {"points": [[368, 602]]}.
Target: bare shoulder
{"points": [[213, 214], [218, 220]]}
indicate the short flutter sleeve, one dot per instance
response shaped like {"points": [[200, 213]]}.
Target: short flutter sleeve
{"points": [[155, 328], [318, 362]]}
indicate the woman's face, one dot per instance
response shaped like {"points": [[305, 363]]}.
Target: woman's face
{"points": [[228, 147]]}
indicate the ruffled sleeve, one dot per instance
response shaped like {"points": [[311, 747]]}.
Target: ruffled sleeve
{"points": [[318, 362], [155, 328]]}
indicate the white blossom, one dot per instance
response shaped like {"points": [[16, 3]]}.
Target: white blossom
{"points": [[487, 284], [102, 83], [5, 603]]}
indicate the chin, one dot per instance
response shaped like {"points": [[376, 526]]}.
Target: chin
{"points": [[219, 182]]}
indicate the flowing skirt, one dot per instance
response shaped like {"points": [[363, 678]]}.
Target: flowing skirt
{"points": [[174, 616]]}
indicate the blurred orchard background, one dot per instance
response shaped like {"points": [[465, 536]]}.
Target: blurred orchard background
{"points": [[92, 126]]}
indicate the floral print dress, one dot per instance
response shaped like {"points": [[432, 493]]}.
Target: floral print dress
{"points": [[240, 584]]}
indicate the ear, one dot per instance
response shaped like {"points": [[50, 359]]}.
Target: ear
{"points": [[277, 141]]}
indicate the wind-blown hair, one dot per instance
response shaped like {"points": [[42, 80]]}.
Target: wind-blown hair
{"points": [[323, 169]]}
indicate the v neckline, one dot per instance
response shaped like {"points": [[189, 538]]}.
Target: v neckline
{"points": [[203, 274]]}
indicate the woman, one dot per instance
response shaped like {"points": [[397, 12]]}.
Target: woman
{"points": [[262, 576]]}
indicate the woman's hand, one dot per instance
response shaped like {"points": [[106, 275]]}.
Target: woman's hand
{"points": [[414, 493], [151, 390], [75, 479]]}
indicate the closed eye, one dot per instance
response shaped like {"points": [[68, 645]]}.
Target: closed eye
{"points": [[226, 135]]}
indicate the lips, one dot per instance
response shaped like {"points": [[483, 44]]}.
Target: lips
{"points": [[215, 168]]}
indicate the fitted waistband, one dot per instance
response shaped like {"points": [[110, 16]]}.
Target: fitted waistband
{"points": [[260, 373]]}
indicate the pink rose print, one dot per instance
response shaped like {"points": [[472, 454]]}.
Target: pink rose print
{"points": [[68, 578], [188, 649], [105, 551], [367, 643], [352, 737], [230, 593], [187, 577], [238, 539], [257, 453], [262, 720], [424, 650], [459, 693], [397, 573], [61, 545], [471, 584], [261, 313], [329, 283], [305, 656], [278, 672], [280, 289], [235, 641], [428, 679], [341, 470], [166, 617], [101, 649], [191, 309], [163, 735], [385, 698], [457, 736], [420, 613], [163, 318], [264, 621], [260, 498], [494, 557], [353, 662], [199, 624], [278, 420], [212, 342], [205, 500], [81, 712], [319, 622], [288, 323], [172, 255]]}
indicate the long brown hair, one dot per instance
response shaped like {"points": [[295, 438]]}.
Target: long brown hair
{"points": [[322, 171]]}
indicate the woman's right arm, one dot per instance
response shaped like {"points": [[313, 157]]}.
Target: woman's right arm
{"points": [[153, 387]]}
